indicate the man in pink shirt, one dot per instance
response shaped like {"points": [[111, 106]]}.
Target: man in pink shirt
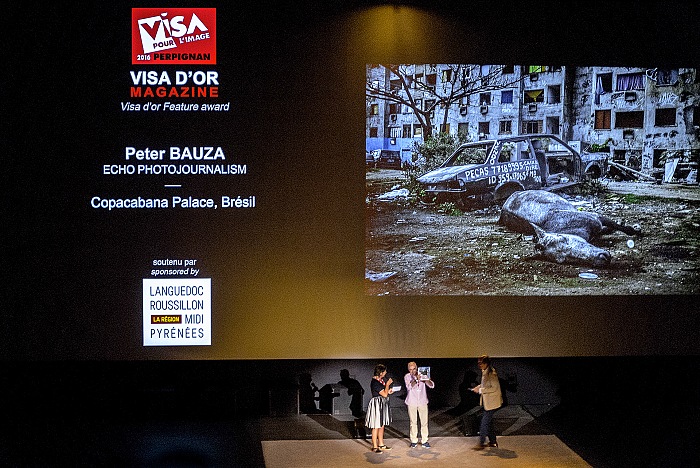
{"points": [[417, 401]]}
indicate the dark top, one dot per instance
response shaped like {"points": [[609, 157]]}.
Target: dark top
{"points": [[376, 386]]}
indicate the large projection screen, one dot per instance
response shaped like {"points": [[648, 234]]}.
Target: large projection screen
{"points": [[200, 194]]}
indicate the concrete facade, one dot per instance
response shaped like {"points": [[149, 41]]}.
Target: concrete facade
{"points": [[640, 116]]}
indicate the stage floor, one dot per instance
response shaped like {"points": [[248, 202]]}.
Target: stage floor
{"points": [[514, 451], [322, 440]]}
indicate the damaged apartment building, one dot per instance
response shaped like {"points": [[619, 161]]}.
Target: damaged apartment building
{"points": [[643, 118]]}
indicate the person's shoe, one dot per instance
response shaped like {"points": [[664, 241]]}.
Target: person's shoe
{"points": [[493, 444], [479, 447], [376, 450], [384, 447], [426, 445], [413, 445]]}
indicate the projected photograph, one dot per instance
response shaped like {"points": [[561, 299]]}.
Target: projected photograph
{"points": [[531, 180]]}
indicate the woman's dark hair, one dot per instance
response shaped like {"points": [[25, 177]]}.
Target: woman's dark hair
{"points": [[378, 369]]}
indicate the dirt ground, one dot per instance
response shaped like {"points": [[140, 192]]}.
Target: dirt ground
{"points": [[414, 249]]}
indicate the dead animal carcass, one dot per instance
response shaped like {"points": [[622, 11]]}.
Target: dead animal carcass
{"points": [[562, 234]]}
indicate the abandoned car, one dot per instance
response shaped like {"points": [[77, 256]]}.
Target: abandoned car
{"points": [[494, 169], [389, 159]]}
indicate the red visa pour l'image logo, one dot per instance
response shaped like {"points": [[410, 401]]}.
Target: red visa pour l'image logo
{"points": [[173, 36]]}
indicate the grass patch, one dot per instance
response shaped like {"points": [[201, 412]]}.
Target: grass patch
{"points": [[633, 199], [449, 209]]}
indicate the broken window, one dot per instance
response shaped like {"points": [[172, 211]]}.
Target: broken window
{"points": [[554, 96], [431, 80], [630, 81], [659, 158], [485, 71], [473, 154], [666, 77], [603, 85], [534, 95], [634, 119], [466, 74], [532, 126], [602, 119], [665, 117], [447, 75], [417, 78], [463, 128], [523, 150], [505, 127], [484, 129], [553, 124], [508, 152]]}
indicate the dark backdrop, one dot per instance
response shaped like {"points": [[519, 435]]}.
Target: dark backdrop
{"points": [[287, 277]]}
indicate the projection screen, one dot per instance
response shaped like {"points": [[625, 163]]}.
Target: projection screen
{"points": [[186, 183]]}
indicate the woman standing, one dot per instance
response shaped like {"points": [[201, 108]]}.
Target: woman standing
{"points": [[378, 414], [491, 399]]}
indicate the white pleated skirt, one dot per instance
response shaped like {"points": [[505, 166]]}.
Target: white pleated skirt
{"points": [[378, 413]]}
